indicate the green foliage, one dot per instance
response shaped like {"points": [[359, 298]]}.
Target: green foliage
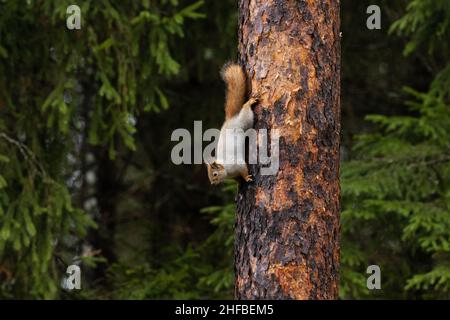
{"points": [[427, 24], [396, 187], [58, 87], [396, 204], [196, 272]]}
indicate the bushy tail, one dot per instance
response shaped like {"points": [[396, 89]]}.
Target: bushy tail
{"points": [[234, 77]]}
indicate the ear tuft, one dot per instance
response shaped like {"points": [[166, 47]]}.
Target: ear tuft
{"points": [[218, 166]]}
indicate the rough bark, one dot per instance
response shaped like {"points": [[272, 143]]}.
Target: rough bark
{"points": [[287, 226]]}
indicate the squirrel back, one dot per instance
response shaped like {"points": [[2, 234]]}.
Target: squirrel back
{"points": [[234, 77]]}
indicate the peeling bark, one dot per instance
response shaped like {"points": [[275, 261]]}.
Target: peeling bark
{"points": [[287, 225]]}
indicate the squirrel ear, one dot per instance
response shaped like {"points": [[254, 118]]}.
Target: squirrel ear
{"points": [[217, 165]]}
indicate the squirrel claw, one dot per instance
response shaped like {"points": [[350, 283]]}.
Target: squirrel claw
{"points": [[250, 102], [248, 178], [255, 98]]}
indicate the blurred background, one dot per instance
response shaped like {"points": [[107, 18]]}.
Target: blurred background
{"points": [[85, 171]]}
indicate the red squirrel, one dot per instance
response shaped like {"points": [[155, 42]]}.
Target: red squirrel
{"points": [[230, 161]]}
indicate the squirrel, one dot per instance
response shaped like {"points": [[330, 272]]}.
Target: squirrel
{"points": [[238, 115]]}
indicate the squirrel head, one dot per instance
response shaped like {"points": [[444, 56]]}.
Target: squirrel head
{"points": [[216, 172]]}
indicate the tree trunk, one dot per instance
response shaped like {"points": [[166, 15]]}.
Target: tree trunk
{"points": [[287, 226]]}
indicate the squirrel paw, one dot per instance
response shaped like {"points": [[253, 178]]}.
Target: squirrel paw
{"points": [[256, 96], [248, 178], [254, 99], [250, 102]]}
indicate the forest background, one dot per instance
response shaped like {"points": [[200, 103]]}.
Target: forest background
{"points": [[86, 178]]}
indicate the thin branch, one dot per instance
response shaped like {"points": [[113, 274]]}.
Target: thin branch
{"points": [[26, 152]]}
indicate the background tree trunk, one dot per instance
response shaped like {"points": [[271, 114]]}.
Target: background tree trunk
{"points": [[287, 227]]}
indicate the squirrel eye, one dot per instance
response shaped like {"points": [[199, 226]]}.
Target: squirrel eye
{"points": [[215, 174]]}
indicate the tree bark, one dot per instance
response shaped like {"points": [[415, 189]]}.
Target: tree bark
{"points": [[287, 224]]}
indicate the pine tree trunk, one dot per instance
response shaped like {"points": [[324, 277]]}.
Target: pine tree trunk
{"points": [[287, 226]]}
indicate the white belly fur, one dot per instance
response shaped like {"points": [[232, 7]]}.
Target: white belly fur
{"points": [[231, 144]]}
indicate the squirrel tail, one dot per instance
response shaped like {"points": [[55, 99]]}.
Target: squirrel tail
{"points": [[234, 77]]}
